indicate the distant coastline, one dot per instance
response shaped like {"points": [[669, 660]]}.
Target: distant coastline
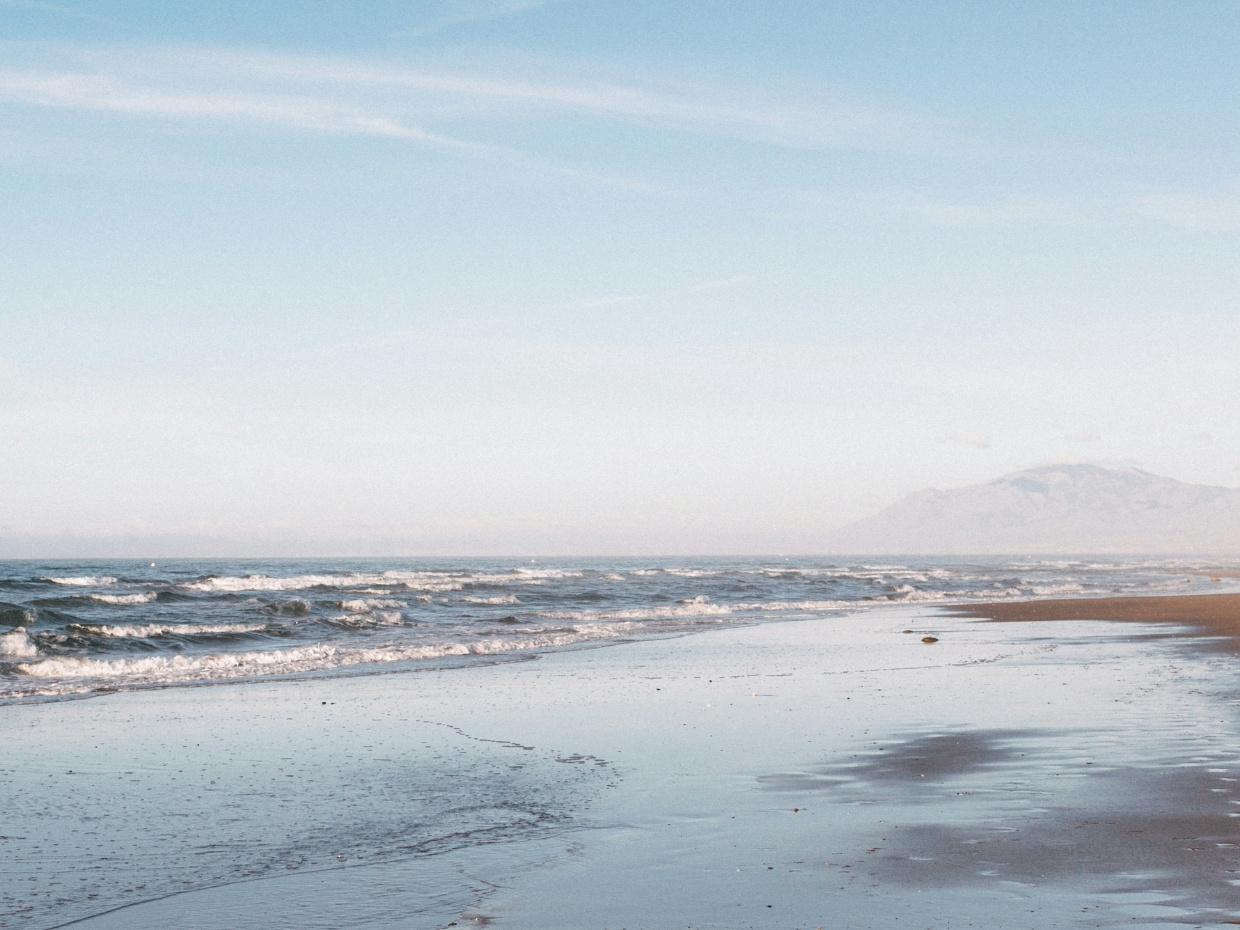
{"points": [[1055, 509]]}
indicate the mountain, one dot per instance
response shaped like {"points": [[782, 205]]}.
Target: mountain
{"points": [[1055, 508]]}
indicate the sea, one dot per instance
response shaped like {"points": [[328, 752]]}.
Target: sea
{"points": [[76, 628], [330, 786]]}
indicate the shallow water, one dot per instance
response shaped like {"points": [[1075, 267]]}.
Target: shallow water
{"points": [[834, 773], [204, 790], [71, 628], [1017, 776]]}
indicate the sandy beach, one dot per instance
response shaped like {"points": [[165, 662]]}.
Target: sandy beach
{"points": [[1217, 614], [835, 772]]}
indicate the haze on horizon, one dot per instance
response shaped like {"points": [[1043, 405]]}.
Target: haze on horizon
{"points": [[517, 276]]}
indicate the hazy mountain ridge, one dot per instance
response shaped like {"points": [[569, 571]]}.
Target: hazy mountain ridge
{"points": [[1056, 508]]}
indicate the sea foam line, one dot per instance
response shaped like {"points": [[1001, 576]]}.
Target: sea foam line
{"points": [[413, 580], [151, 669], [365, 604], [419, 581], [144, 598], [370, 618], [696, 607], [168, 629]]}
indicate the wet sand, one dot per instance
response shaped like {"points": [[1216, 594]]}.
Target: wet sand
{"points": [[829, 773], [1218, 614]]}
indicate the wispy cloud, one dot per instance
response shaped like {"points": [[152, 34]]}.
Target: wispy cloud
{"points": [[399, 99], [745, 113], [304, 112], [91, 92]]}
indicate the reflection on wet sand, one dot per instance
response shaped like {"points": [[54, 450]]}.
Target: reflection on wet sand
{"points": [[924, 761], [1038, 807]]}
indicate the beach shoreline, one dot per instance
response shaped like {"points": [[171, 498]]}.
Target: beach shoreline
{"points": [[793, 774], [1215, 614]]}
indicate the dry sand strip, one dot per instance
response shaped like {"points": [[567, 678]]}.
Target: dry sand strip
{"points": [[1216, 613]]}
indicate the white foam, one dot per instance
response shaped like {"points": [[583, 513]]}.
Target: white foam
{"points": [[802, 605], [678, 611], [18, 644], [170, 629], [502, 599], [144, 598], [1046, 590], [538, 574], [417, 581], [84, 581], [907, 594], [370, 619], [176, 667], [412, 581], [160, 669], [697, 607], [876, 573], [365, 604]]}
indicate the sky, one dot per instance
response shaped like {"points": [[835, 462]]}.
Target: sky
{"points": [[587, 277]]}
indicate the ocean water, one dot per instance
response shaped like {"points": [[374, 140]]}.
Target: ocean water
{"points": [[73, 628], [750, 778]]}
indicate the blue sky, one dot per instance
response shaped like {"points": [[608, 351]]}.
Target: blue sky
{"points": [[507, 276]]}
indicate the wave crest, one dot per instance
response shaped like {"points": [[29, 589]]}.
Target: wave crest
{"points": [[159, 669], [17, 644], [144, 598], [143, 631], [363, 605]]}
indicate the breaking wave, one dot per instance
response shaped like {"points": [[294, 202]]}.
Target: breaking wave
{"points": [[148, 630], [200, 621], [161, 669], [17, 644], [370, 618], [411, 581], [364, 604], [125, 599], [414, 581]]}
